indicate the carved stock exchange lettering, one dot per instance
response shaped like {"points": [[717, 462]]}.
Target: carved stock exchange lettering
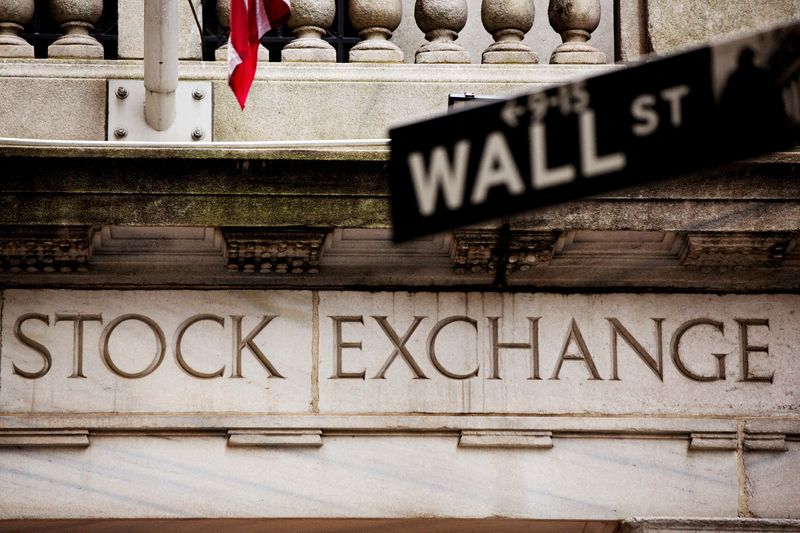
{"points": [[346, 340], [240, 343]]}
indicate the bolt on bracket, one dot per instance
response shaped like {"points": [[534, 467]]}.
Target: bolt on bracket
{"points": [[193, 113]]}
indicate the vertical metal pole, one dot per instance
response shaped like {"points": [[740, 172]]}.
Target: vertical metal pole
{"points": [[160, 62]]}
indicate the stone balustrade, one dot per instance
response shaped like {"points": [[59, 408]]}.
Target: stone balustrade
{"points": [[376, 22]]}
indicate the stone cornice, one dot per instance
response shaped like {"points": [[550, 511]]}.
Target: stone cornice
{"points": [[218, 71], [678, 235], [320, 150], [344, 150]]}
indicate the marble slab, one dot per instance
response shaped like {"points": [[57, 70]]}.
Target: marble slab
{"points": [[573, 336], [386, 353], [773, 482], [207, 349], [367, 477]]}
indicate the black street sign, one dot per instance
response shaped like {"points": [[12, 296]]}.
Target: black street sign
{"points": [[665, 116]]}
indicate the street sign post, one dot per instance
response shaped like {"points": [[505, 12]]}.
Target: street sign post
{"points": [[665, 116]]}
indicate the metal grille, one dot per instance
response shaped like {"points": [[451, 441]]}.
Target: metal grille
{"points": [[340, 35], [43, 30]]}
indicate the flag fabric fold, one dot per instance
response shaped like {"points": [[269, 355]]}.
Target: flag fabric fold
{"points": [[250, 20]]}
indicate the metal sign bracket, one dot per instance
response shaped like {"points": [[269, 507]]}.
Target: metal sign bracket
{"points": [[193, 113]]}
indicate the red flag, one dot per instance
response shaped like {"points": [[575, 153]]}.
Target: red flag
{"points": [[250, 20]]}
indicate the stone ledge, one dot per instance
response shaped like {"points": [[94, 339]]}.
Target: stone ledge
{"points": [[506, 439], [679, 428], [275, 438], [319, 525], [689, 525], [712, 442], [355, 150], [210, 70], [44, 438], [765, 442], [788, 427], [346, 150]]}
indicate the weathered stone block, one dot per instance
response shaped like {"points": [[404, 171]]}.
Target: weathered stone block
{"points": [[394, 352], [361, 101], [771, 493], [674, 25], [567, 354], [36, 110], [177, 352]]}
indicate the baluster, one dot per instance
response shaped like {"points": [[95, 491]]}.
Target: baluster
{"points": [[14, 14], [77, 18], [508, 21], [375, 21], [309, 21], [575, 20], [441, 20], [224, 20]]}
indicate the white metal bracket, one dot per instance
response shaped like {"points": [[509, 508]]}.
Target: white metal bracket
{"points": [[193, 113]]}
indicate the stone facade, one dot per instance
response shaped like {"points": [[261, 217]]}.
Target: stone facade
{"points": [[222, 331]]}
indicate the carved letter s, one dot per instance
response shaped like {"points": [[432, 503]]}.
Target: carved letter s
{"points": [[32, 344]]}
